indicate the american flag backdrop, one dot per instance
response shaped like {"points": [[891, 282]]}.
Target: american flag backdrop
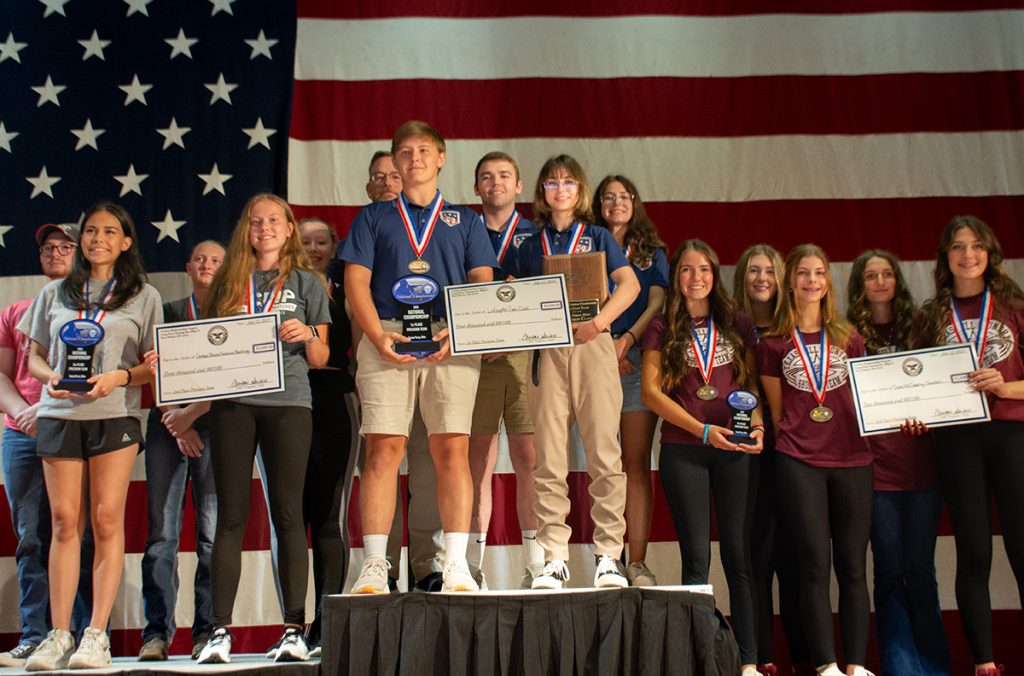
{"points": [[853, 124]]}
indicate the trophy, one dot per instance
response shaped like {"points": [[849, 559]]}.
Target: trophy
{"points": [[415, 295], [742, 404], [80, 337], [586, 282]]}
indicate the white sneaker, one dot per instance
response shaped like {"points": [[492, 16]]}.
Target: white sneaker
{"points": [[373, 577], [293, 647], [218, 649], [861, 671], [93, 652], [457, 577], [831, 670], [751, 671], [554, 575], [608, 574], [532, 572], [53, 653], [639, 575], [16, 656]]}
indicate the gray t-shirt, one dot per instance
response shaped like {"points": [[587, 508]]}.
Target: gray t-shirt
{"points": [[302, 297], [127, 335]]}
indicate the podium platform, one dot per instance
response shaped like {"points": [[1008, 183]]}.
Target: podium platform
{"points": [[653, 630]]}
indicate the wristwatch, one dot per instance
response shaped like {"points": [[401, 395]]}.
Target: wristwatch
{"points": [[315, 336]]}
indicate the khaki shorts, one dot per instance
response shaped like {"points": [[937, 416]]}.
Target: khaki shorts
{"points": [[502, 395], [446, 391]]}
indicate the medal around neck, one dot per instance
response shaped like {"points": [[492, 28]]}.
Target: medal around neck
{"points": [[80, 336], [415, 295], [742, 403]]}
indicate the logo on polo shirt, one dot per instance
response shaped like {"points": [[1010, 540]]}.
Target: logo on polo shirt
{"points": [[452, 218], [586, 245], [517, 240], [644, 264]]}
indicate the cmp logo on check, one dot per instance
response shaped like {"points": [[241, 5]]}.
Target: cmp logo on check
{"points": [[217, 335], [912, 366], [506, 293]]}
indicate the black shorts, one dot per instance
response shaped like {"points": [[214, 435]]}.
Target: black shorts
{"points": [[83, 439]]}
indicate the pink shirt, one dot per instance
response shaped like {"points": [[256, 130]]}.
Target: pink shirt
{"points": [[12, 339]]}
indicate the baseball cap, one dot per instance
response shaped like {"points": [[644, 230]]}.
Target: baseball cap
{"points": [[69, 230]]}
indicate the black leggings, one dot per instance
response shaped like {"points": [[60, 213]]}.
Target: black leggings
{"points": [[828, 509], [977, 462], [283, 433], [688, 476], [773, 553]]}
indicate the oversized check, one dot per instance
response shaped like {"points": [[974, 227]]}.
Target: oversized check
{"points": [[524, 314], [218, 358], [930, 385]]}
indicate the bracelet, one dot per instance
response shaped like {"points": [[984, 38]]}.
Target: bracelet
{"points": [[632, 335], [314, 334], [129, 372], [707, 428]]}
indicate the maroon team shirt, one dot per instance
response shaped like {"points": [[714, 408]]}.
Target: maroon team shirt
{"points": [[717, 411], [836, 443]]}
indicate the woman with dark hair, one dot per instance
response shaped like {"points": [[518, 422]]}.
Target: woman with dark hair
{"points": [[976, 302], [906, 504], [584, 376], [266, 270], [88, 332], [823, 467], [622, 213], [755, 290], [696, 356]]}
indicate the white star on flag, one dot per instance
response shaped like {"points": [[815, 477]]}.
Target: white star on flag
{"points": [[54, 6], [131, 182], [221, 6], [181, 44], [259, 134], [87, 135], [9, 49], [215, 180], [48, 92], [173, 134], [4, 229], [6, 137], [168, 227], [135, 91], [94, 47], [220, 90], [42, 184], [137, 6], [261, 46]]}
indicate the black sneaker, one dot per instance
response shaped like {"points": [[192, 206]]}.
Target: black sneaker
{"points": [[431, 583], [292, 646], [16, 656]]}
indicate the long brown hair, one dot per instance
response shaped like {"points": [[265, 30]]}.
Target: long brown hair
{"points": [[859, 312], [739, 285], [936, 311], [541, 210], [837, 328], [676, 344], [641, 233], [230, 284]]}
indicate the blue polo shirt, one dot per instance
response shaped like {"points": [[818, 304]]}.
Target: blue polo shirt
{"points": [[594, 238], [510, 265], [652, 271], [377, 240]]}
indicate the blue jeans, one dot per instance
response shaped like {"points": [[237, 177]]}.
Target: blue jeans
{"points": [[30, 516], [911, 636], [167, 474]]}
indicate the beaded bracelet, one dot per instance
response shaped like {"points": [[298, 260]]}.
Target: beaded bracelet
{"points": [[707, 428]]}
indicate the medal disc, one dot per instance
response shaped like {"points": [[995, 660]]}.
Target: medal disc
{"points": [[419, 267], [707, 392], [821, 414]]}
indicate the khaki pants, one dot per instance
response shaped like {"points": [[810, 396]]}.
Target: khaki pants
{"points": [[578, 384]]}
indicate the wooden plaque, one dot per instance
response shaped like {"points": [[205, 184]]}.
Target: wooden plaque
{"points": [[586, 282]]}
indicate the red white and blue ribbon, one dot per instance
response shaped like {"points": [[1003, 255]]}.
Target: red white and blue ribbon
{"points": [[705, 352], [419, 243], [628, 252], [980, 337], [252, 300], [574, 239], [816, 376], [99, 313], [193, 307], [506, 237]]}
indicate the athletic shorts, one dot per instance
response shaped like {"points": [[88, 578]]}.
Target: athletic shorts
{"points": [[84, 439]]}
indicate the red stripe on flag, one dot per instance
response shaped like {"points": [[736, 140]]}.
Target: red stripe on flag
{"points": [[661, 106]]}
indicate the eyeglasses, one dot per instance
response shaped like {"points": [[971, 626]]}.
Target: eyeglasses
{"points": [[610, 198], [381, 178], [49, 249], [568, 184]]}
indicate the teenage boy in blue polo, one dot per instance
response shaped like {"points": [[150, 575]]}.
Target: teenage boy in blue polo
{"points": [[398, 253]]}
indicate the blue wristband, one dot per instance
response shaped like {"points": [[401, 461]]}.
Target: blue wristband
{"points": [[707, 428]]}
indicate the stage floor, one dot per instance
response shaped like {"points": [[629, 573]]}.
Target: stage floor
{"points": [[250, 665]]}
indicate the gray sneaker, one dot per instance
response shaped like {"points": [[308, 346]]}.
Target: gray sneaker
{"points": [[154, 649], [53, 653], [93, 651], [639, 575], [16, 656]]}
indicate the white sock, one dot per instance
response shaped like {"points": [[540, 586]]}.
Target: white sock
{"points": [[475, 549], [533, 553], [455, 546], [375, 546]]}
